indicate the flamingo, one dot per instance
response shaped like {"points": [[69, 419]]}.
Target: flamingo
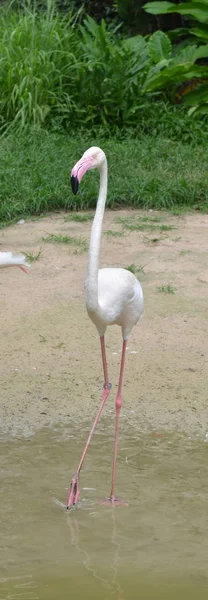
{"points": [[113, 297], [7, 259]]}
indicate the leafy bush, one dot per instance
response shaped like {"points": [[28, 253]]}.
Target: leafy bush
{"points": [[57, 72], [197, 11], [185, 60]]}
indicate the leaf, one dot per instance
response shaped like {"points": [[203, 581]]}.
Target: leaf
{"points": [[199, 10], [201, 32], [198, 96], [91, 25], [202, 52], [157, 8], [198, 110], [159, 47], [175, 33], [135, 43], [195, 9], [201, 1], [173, 75], [186, 55], [192, 110]]}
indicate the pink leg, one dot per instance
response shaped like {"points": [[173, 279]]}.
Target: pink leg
{"points": [[73, 493], [118, 408], [23, 269]]}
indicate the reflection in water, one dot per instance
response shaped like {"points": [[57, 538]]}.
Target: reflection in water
{"points": [[157, 547], [111, 584], [20, 587]]}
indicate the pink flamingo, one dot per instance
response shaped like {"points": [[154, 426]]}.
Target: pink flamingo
{"points": [[113, 297], [7, 259]]}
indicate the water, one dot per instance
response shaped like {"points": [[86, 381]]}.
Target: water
{"points": [[156, 548]]}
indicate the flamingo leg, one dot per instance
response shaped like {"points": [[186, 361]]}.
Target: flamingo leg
{"points": [[118, 408], [73, 493], [23, 269]]}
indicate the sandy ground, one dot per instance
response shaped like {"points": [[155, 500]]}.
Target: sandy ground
{"points": [[50, 364]]}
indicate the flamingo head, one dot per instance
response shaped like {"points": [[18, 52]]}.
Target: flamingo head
{"points": [[93, 158]]}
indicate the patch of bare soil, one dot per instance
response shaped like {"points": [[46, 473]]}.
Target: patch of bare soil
{"points": [[50, 363]]}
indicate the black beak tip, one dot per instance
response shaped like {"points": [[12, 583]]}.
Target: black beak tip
{"points": [[74, 184]]}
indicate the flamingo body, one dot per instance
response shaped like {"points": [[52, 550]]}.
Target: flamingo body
{"points": [[113, 297], [7, 259], [120, 301]]}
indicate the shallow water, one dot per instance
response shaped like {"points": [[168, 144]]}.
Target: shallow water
{"points": [[157, 547]]}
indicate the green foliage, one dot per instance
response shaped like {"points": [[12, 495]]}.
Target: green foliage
{"points": [[54, 71], [159, 47], [183, 65], [58, 73], [61, 74], [80, 217], [71, 240], [198, 10], [166, 289], [144, 171], [38, 65], [31, 257]]}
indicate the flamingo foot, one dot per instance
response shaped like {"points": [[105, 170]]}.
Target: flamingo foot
{"points": [[112, 501], [73, 493]]}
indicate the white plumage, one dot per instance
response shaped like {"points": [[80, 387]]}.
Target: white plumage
{"points": [[120, 300], [7, 259], [113, 297]]}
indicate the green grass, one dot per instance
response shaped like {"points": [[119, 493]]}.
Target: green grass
{"points": [[143, 173], [135, 269], [31, 257], [112, 233], [80, 217], [138, 223], [166, 289], [148, 240], [79, 243], [166, 227], [146, 219]]}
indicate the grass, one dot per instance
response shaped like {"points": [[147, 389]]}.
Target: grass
{"points": [[114, 233], [166, 289], [184, 252], [80, 217], [143, 173], [148, 240], [135, 223], [145, 219], [79, 243], [31, 257], [135, 269], [167, 227]]}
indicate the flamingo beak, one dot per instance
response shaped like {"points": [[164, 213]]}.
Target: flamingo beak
{"points": [[82, 166], [74, 184]]}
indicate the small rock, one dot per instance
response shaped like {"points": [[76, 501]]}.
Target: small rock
{"points": [[21, 222]]}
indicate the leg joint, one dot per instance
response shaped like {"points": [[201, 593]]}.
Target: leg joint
{"points": [[107, 386], [118, 402]]}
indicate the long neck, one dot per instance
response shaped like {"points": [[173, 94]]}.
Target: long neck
{"points": [[94, 249]]}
